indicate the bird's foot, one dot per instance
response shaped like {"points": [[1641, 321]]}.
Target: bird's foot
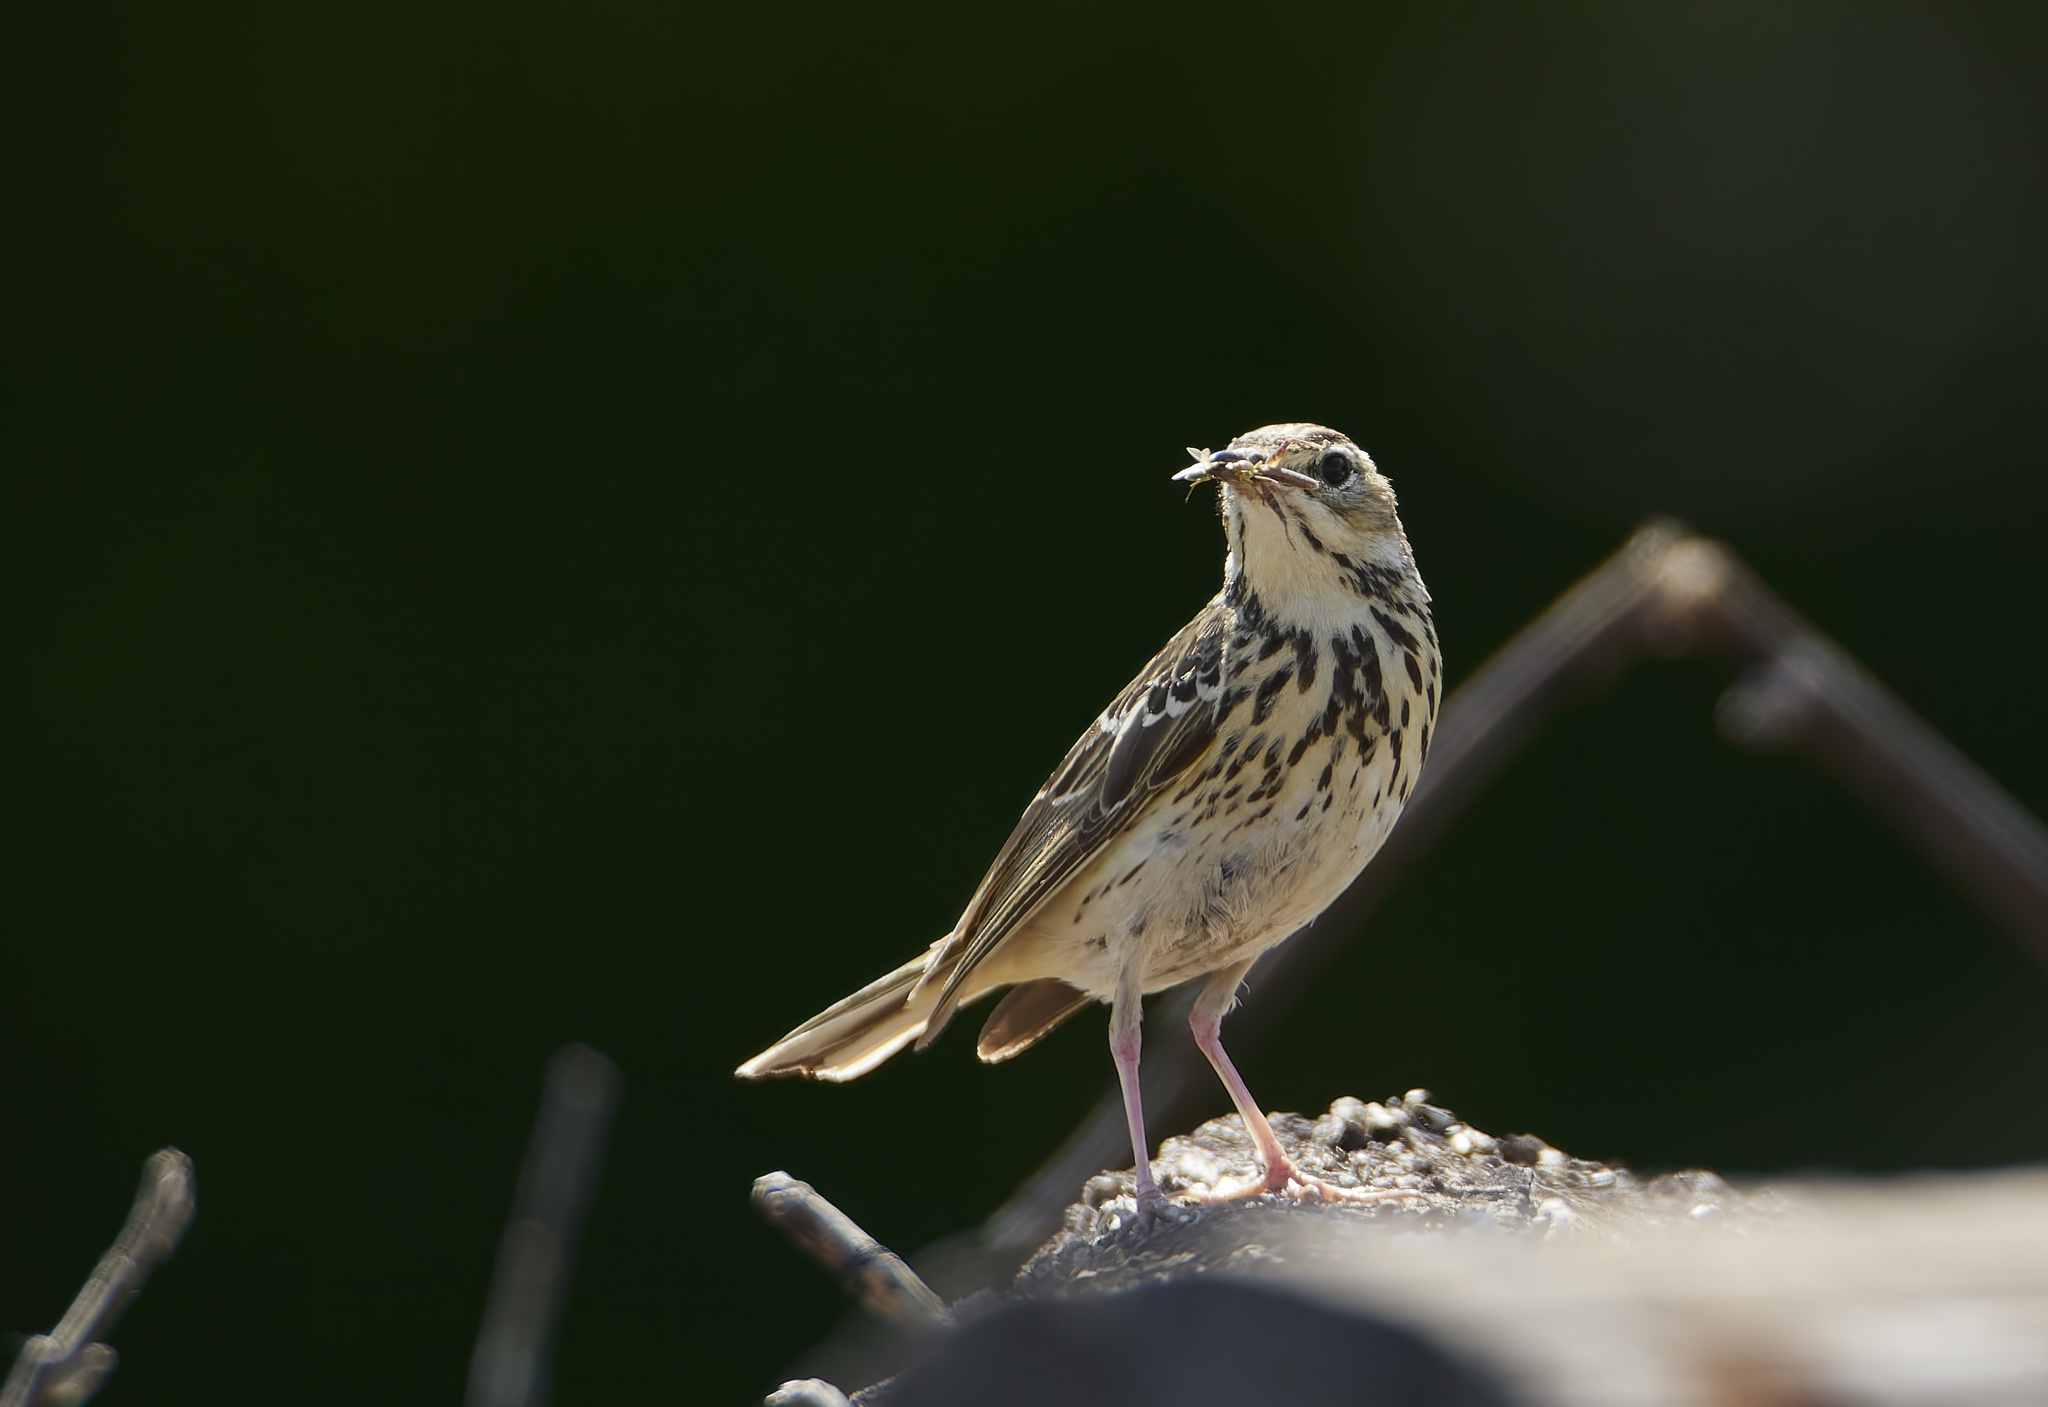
{"points": [[1151, 1207], [1315, 1189], [1281, 1177], [1154, 1207]]}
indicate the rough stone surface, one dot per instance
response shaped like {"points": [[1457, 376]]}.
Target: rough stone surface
{"points": [[1553, 1281], [1460, 1178]]}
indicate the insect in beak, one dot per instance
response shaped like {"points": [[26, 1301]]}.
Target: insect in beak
{"points": [[1237, 467]]}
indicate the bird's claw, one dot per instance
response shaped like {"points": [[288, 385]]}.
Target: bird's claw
{"points": [[1287, 1180], [1151, 1207], [1321, 1191]]}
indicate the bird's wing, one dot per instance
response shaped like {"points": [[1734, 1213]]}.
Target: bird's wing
{"points": [[1161, 724]]}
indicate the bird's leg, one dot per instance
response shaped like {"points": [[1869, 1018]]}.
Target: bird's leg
{"points": [[1206, 1020], [1125, 1014]]}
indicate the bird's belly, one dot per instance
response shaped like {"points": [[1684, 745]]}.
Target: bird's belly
{"points": [[1194, 889]]}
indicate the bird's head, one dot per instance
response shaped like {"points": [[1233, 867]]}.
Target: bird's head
{"points": [[1311, 520]]}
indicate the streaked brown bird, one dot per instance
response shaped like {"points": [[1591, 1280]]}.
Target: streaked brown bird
{"points": [[1232, 790]]}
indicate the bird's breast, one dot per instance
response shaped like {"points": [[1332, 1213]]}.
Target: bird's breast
{"points": [[1319, 740]]}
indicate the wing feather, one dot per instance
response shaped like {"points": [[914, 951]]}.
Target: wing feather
{"points": [[1163, 722]]}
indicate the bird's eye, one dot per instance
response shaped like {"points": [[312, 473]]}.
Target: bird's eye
{"points": [[1335, 467]]}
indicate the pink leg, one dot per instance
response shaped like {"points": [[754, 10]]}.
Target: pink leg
{"points": [[1206, 1020], [1125, 1014]]}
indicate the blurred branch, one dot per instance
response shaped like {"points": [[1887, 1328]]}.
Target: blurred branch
{"points": [[1666, 593], [1807, 695], [67, 1366], [512, 1363], [872, 1273]]}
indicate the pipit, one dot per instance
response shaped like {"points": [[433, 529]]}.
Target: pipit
{"points": [[1232, 790]]}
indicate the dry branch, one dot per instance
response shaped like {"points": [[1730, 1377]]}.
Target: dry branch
{"points": [[70, 1364]]}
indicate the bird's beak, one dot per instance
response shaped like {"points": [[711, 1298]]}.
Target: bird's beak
{"points": [[1235, 466]]}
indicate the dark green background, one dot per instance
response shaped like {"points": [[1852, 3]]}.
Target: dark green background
{"points": [[588, 522]]}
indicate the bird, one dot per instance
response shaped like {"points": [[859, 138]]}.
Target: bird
{"points": [[1226, 796]]}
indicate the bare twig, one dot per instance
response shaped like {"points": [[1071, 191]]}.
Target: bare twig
{"points": [[67, 1366], [1808, 695], [873, 1274], [806, 1392], [512, 1363]]}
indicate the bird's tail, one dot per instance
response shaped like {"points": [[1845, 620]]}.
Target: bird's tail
{"points": [[852, 1037]]}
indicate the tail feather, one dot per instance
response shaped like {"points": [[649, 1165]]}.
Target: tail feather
{"points": [[853, 1036], [1026, 1016]]}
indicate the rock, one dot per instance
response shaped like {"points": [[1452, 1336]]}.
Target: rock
{"points": [[1530, 1276]]}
